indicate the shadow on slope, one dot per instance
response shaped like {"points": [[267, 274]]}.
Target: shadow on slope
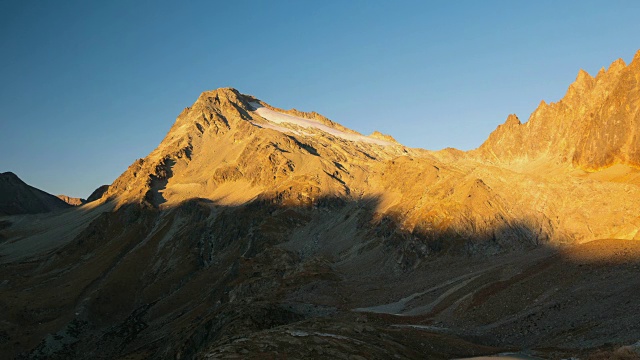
{"points": [[175, 282]]}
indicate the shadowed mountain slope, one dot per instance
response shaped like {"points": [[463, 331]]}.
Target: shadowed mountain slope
{"points": [[16, 197], [97, 193]]}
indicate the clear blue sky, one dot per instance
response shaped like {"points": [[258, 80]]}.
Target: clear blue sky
{"points": [[87, 87]]}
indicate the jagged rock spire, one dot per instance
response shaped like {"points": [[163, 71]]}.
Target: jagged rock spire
{"points": [[594, 126]]}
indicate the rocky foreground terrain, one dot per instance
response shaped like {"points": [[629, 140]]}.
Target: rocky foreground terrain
{"points": [[257, 232]]}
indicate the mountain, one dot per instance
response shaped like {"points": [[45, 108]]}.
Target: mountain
{"points": [[71, 200], [16, 197], [593, 127], [97, 193], [257, 232], [232, 148]]}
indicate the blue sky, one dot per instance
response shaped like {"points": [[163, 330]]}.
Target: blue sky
{"points": [[87, 87]]}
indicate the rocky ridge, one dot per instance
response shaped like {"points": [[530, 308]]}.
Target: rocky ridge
{"points": [[593, 127], [222, 150]]}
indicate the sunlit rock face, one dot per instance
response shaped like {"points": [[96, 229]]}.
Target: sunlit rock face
{"points": [[73, 201], [594, 126], [233, 149]]}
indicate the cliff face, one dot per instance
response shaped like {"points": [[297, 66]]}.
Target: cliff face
{"points": [[594, 126]]}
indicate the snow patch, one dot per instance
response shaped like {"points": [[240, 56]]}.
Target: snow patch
{"points": [[281, 118]]}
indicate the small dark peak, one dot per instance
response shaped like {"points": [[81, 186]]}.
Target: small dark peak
{"points": [[10, 175], [18, 197], [10, 178], [97, 193]]}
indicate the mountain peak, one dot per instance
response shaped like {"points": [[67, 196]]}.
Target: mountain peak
{"points": [[233, 147], [227, 93], [17, 197], [583, 84], [617, 65], [583, 76], [512, 120], [9, 175], [222, 100], [636, 57]]}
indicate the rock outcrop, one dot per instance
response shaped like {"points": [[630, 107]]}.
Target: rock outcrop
{"points": [[71, 200]]}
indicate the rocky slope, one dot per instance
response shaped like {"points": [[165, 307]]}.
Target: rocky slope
{"points": [[256, 232], [16, 197]]}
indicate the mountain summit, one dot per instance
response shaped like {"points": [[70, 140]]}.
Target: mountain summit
{"points": [[232, 148], [16, 197]]}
